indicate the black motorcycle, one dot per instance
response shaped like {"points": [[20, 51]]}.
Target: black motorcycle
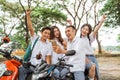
{"points": [[44, 71]]}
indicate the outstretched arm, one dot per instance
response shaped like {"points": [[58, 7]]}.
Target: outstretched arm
{"points": [[29, 23], [99, 25]]}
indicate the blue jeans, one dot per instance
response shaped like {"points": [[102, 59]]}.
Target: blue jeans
{"points": [[23, 72], [78, 75], [94, 60], [60, 73]]}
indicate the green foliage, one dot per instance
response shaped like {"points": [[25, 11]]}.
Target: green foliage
{"points": [[118, 38], [20, 38], [112, 48], [42, 17], [11, 8], [112, 9]]}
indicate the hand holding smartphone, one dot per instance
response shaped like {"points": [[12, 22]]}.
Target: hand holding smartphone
{"points": [[53, 43]]}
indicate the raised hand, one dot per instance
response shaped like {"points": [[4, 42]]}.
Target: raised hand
{"points": [[104, 17], [28, 11], [57, 49]]}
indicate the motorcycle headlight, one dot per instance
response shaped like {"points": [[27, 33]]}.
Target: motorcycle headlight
{"points": [[40, 75], [2, 69]]}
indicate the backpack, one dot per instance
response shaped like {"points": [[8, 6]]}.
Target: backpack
{"points": [[29, 50]]}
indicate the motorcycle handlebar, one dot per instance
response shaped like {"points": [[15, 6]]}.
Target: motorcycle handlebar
{"points": [[63, 65], [27, 64], [69, 65], [5, 54], [3, 51], [24, 63]]}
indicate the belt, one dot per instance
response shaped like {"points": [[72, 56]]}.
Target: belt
{"points": [[89, 55]]}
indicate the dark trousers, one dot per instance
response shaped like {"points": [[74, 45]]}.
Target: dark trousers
{"points": [[24, 72]]}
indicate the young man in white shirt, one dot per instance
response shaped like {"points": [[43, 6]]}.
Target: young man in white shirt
{"points": [[42, 48], [77, 60]]}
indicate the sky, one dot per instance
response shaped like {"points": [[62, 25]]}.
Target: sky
{"points": [[110, 38]]}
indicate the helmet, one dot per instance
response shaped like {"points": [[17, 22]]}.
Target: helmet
{"points": [[6, 39]]}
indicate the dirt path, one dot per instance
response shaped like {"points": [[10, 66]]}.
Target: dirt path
{"points": [[109, 68]]}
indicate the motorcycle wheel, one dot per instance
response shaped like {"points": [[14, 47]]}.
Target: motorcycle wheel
{"points": [[49, 78], [69, 79]]}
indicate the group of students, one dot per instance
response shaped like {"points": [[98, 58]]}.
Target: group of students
{"points": [[83, 60]]}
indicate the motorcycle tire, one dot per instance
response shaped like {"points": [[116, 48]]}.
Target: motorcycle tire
{"points": [[49, 78], [69, 79]]}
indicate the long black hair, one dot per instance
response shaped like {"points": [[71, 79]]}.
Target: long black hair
{"points": [[90, 30]]}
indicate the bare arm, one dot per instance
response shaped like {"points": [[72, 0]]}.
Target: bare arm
{"points": [[58, 50], [48, 59], [29, 23], [65, 45], [99, 25]]}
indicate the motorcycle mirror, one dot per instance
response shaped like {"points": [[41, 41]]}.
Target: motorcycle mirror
{"points": [[70, 53]]}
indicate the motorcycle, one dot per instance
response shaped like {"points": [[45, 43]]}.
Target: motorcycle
{"points": [[9, 68], [45, 71]]}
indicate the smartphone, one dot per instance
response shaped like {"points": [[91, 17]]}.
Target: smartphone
{"points": [[53, 43]]}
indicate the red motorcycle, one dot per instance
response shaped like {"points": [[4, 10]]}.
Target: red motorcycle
{"points": [[9, 68]]}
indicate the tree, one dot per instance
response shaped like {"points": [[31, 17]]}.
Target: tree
{"points": [[5, 22], [15, 12], [78, 10], [82, 11], [40, 18], [112, 9]]}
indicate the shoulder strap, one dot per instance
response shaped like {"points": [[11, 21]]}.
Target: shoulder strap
{"points": [[34, 44], [29, 51]]}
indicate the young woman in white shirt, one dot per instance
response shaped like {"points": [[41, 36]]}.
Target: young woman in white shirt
{"points": [[88, 37], [56, 39]]}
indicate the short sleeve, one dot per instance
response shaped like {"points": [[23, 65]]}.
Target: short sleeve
{"points": [[91, 37], [50, 50], [33, 38]]}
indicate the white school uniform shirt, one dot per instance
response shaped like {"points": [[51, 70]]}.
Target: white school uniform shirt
{"points": [[77, 60], [44, 48], [55, 55], [88, 48]]}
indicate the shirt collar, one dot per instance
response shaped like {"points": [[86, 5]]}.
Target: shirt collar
{"points": [[73, 39], [45, 41]]}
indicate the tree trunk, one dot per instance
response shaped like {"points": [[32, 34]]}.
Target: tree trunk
{"points": [[27, 33], [97, 36], [99, 44]]}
